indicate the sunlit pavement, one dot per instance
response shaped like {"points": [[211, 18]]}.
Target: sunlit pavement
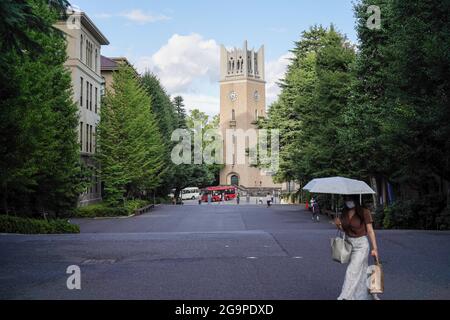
{"points": [[213, 252]]}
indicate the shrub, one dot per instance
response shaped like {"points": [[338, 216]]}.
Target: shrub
{"points": [[11, 224], [100, 210], [103, 209], [424, 213], [132, 205]]}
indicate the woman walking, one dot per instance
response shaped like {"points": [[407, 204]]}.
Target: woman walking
{"points": [[357, 223]]}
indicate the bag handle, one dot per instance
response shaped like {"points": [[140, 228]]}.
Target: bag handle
{"points": [[377, 261], [340, 233]]}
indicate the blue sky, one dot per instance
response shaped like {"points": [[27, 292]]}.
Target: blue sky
{"points": [[178, 39]]}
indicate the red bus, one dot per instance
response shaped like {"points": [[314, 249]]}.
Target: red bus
{"points": [[228, 192]]}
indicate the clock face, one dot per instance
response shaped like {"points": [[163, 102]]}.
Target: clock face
{"points": [[256, 95], [233, 96]]}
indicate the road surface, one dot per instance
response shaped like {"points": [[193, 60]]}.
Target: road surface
{"points": [[213, 252]]}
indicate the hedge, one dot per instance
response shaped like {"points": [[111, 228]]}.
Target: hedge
{"points": [[103, 210], [12, 224]]}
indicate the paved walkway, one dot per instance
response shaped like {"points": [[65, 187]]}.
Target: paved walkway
{"points": [[213, 252]]}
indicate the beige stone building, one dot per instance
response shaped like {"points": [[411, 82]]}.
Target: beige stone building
{"points": [[84, 41], [109, 66], [242, 103]]}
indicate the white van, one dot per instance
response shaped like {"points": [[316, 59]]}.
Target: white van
{"points": [[190, 193]]}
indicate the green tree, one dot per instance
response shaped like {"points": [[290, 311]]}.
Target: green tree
{"points": [[180, 110], [17, 16], [308, 112], [162, 105], [193, 175], [40, 165], [131, 152], [168, 121]]}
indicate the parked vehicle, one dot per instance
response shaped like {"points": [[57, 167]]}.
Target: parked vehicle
{"points": [[190, 194], [217, 193]]}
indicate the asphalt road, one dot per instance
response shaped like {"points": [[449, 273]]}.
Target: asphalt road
{"points": [[213, 252]]}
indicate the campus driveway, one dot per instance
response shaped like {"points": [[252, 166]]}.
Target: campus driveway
{"points": [[213, 252]]}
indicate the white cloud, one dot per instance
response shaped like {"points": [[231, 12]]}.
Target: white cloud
{"points": [[208, 104], [188, 65], [141, 17], [182, 61], [275, 70]]}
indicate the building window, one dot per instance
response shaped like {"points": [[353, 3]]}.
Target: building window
{"points": [[96, 99], [90, 55], [90, 97], [87, 94], [87, 137], [81, 136], [90, 139], [96, 60], [103, 88], [233, 115], [87, 52], [81, 92], [95, 139], [81, 48]]}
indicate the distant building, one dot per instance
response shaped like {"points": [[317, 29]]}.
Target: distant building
{"points": [[84, 41], [109, 66], [242, 104]]}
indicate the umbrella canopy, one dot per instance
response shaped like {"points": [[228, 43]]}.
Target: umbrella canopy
{"points": [[309, 185], [338, 185]]}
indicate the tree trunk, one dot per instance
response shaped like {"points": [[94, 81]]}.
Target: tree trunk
{"points": [[383, 188], [375, 197]]}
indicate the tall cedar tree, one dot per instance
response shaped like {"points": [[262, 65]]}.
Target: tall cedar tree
{"points": [[131, 151], [40, 164], [167, 118], [313, 97]]}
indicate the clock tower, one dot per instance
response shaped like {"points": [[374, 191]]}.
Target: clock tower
{"points": [[242, 103]]}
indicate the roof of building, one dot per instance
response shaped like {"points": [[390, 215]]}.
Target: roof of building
{"points": [[107, 63], [113, 63], [88, 24], [78, 18]]}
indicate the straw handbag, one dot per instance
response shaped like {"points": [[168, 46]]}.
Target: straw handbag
{"points": [[376, 279]]}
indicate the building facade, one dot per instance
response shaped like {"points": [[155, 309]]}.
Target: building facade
{"points": [[111, 65], [242, 104], [84, 41]]}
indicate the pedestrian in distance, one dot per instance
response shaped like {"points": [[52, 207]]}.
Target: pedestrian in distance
{"points": [[209, 198], [315, 210], [357, 223], [268, 200], [238, 198]]}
